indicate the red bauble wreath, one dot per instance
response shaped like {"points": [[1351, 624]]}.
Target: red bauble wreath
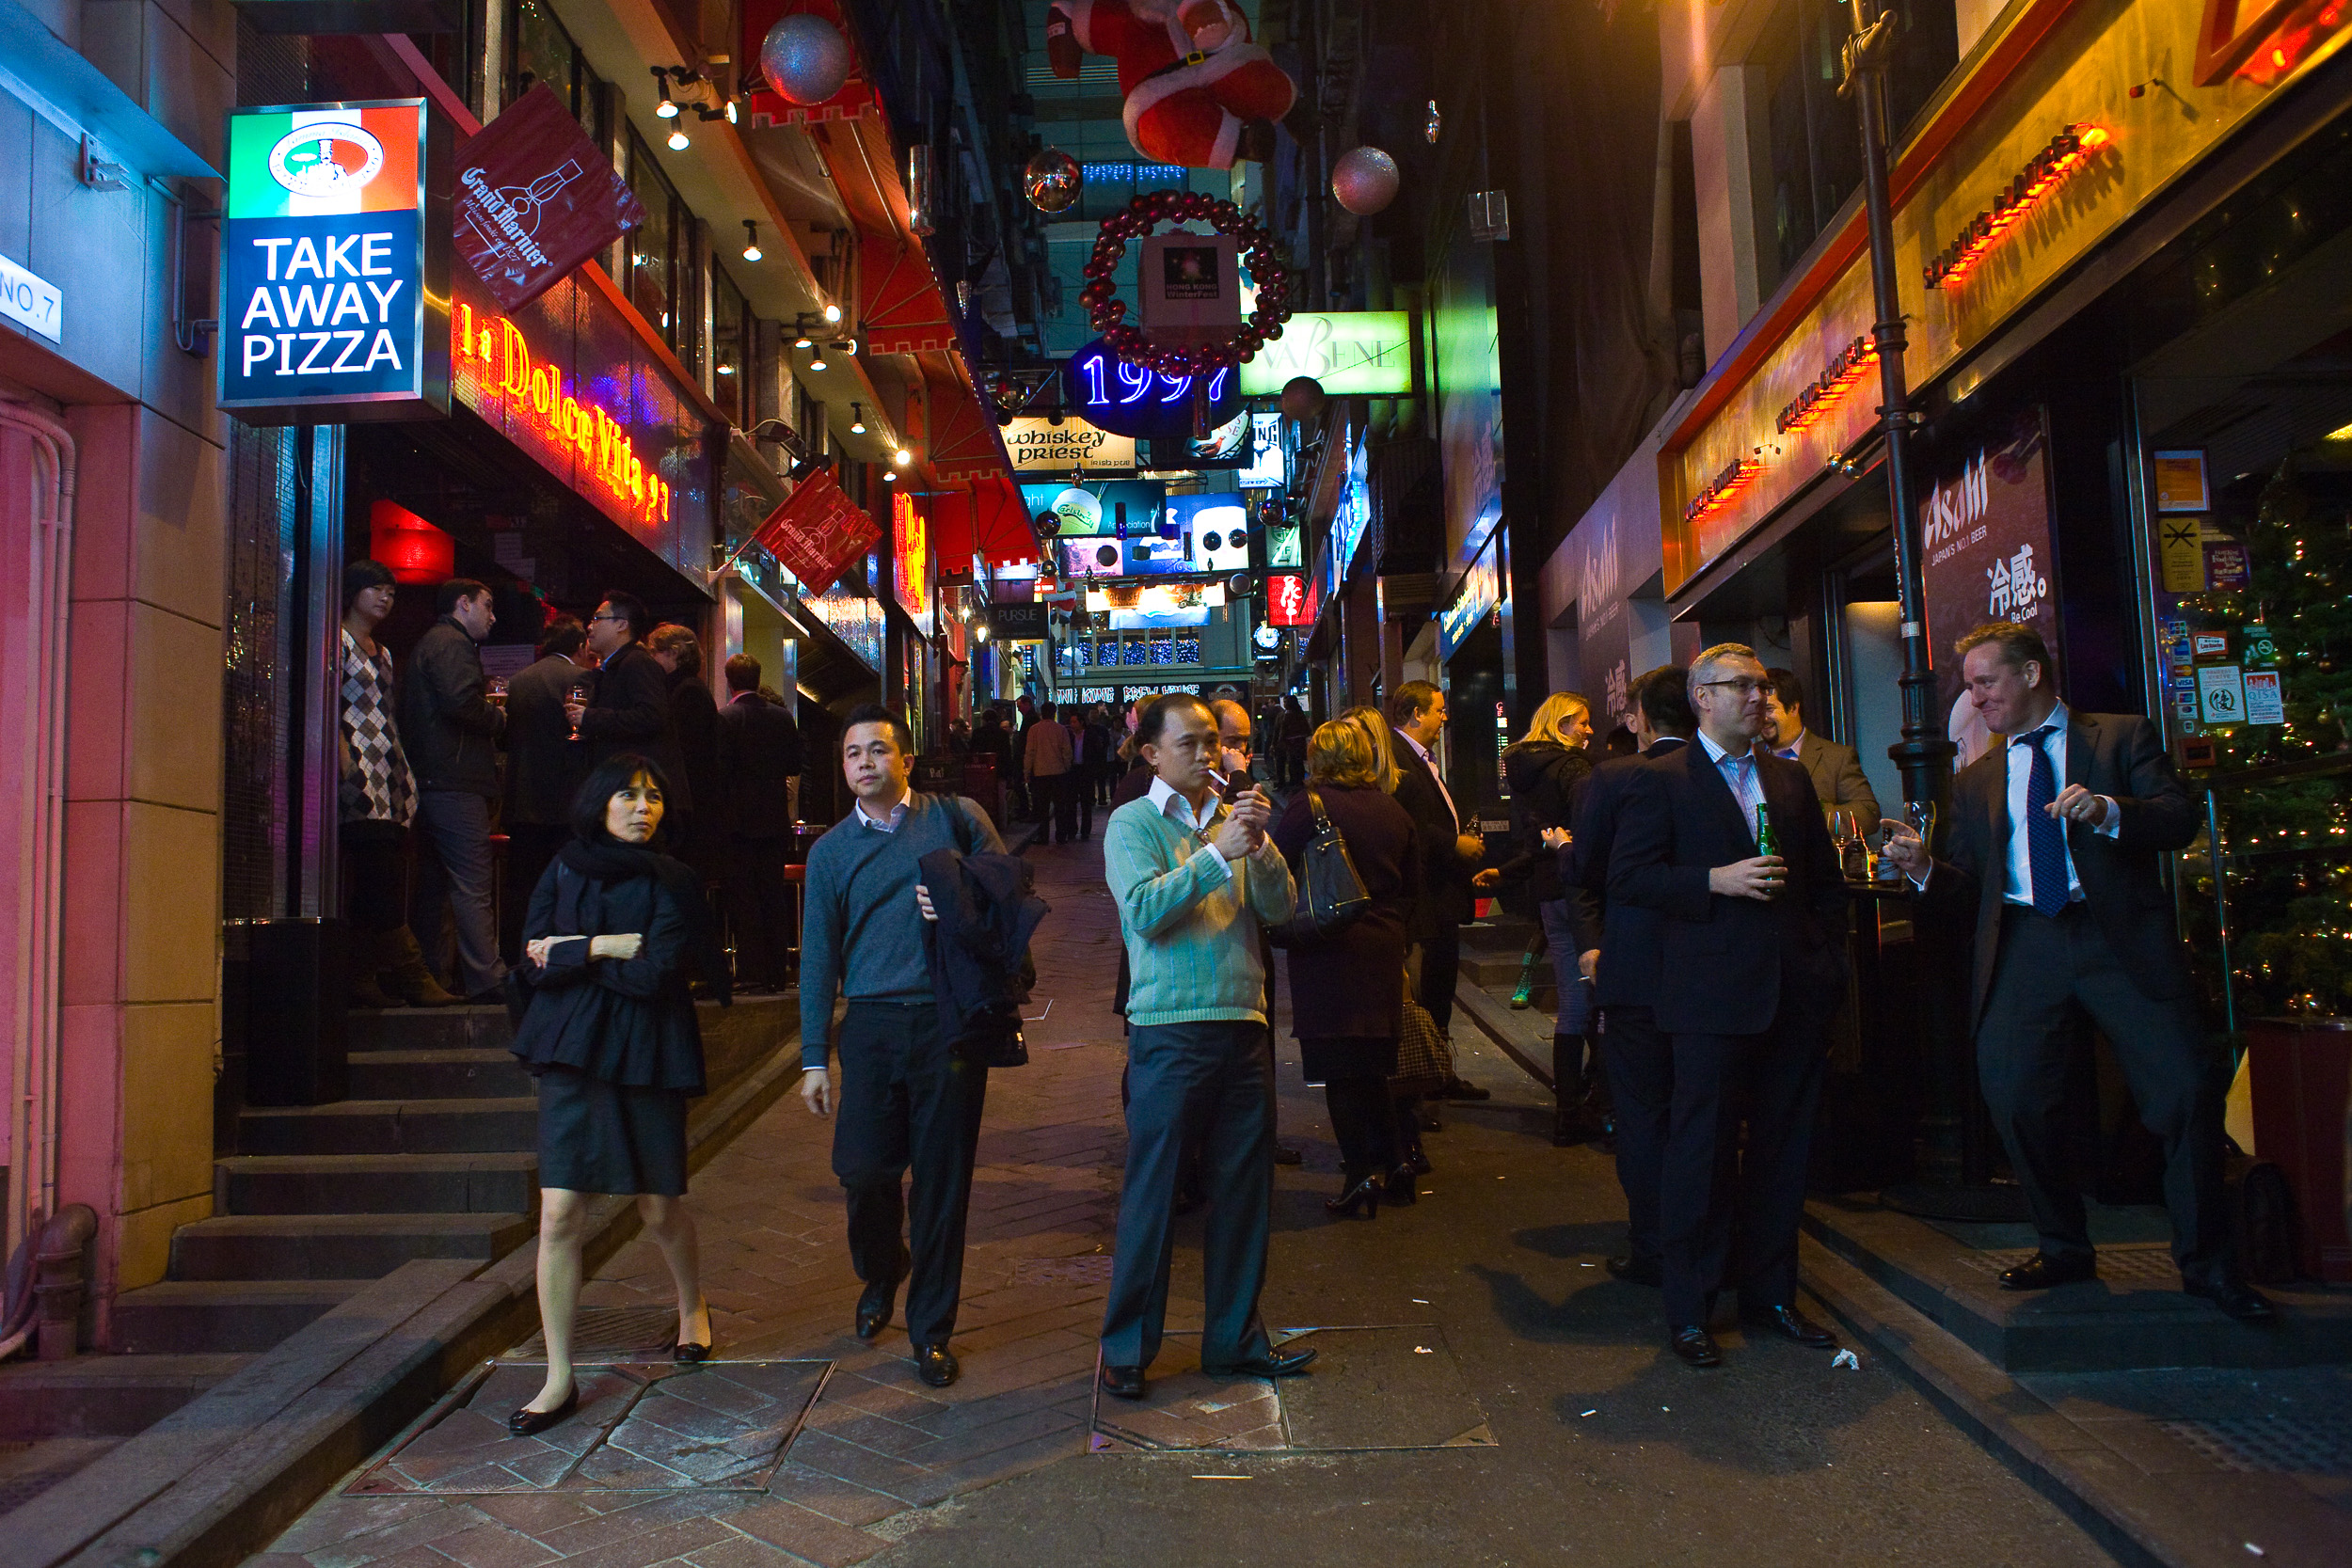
{"points": [[1108, 312]]}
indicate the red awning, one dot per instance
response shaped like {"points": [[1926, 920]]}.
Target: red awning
{"points": [[903, 310], [985, 518], [962, 443]]}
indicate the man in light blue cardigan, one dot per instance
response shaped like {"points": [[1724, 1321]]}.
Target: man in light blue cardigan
{"points": [[1194, 877]]}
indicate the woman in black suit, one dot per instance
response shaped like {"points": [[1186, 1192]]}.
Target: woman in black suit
{"points": [[1347, 991], [610, 1033]]}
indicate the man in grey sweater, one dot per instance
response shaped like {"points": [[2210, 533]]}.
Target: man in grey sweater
{"points": [[907, 1100]]}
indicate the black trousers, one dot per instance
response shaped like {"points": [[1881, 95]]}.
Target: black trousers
{"points": [[1440, 964], [1641, 1068], [376, 875], [908, 1102], [1363, 1121], [761, 905], [1708, 1188], [1065, 799], [529, 848], [1217, 1078], [1078, 795], [2051, 968]]}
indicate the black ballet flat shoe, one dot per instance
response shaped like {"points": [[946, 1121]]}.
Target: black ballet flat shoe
{"points": [[1363, 1196], [687, 1355], [1124, 1383], [528, 1422], [1401, 1190]]}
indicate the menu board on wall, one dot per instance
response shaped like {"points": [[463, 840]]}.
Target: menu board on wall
{"points": [[567, 380], [1985, 555]]}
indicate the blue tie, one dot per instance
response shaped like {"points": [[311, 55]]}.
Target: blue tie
{"points": [[2045, 836]]}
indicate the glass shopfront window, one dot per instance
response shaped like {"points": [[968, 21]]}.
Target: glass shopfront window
{"points": [[657, 253], [543, 51], [731, 350]]}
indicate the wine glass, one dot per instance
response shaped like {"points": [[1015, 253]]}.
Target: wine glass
{"points": [[580, 694], [1845, 831]]}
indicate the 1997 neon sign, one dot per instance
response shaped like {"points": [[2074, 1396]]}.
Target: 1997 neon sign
{"points": [[1135, 400]]}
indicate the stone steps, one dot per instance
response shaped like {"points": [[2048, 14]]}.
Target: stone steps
{"points": [[455, 1073], [433, 1126], [427, 1029], [191, 1315], [336, 1246], [102, 1396], [477, 1184]]}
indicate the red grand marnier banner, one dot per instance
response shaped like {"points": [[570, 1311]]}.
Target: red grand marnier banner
{"points": [[534, 199], [817, 531]]}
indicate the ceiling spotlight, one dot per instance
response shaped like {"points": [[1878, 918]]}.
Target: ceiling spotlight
{"points": [[667, 108], [848, 346], [902, 457], [731, 119], [677, 138], [750, 240], [890, 476], [726, 369], [833, 314], [803, 341], [857, 419], [816, 361]]}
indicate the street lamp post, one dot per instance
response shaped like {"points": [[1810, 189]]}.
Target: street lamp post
{"points": [[1923, 754]]}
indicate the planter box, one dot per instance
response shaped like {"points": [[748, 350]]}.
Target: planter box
{"points": [[2302, 1082]]}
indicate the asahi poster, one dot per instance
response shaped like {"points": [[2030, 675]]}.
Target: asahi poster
{"points": [[1986, 555], [535, 198]]}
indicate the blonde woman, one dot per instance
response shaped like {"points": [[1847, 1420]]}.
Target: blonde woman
{"points": [[1542, 768], [1347, 1006], [1404, 1109]]}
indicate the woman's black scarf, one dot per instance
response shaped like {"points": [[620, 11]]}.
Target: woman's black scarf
{"points": [[614, 862]]}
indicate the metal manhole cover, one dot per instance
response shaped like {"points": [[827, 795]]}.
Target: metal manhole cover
{"points": [[719, 1426], [2138, 1267], [1092, 1269], [2294, 1445], [611, 1334]]}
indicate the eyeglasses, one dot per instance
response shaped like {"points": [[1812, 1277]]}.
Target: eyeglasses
{"points": [[1744, 685], [594, 619]]}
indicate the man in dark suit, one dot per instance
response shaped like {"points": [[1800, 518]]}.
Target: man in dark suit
{"points": [[759, 751], [1836, 770], [542, 768], [630, 711], [1619, 947], [1450, 855], [1752, 946], [2054, 856]]}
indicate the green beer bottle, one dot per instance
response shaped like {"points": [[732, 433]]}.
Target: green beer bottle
{"points": [[1767, 841]]}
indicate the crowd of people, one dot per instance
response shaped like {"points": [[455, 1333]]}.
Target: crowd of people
{"points": [[1688, 893]]}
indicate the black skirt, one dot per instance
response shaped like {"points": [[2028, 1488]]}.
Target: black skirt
{"points": [[600, 1137], [1328, 1056]]}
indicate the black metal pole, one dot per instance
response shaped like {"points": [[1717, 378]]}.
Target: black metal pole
{"points": [[1923, 754]]}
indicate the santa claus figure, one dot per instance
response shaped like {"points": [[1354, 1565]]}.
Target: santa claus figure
{"points": [[1192, 79]]}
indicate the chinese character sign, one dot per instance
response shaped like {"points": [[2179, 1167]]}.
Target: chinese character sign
{"points": [[335, 282], [1286, 600], [1985, 555]]}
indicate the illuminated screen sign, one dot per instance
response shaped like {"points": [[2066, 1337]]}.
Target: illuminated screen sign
{"points": [[1480, 593], [567, 380], [1043, 446], [1286, 600], [335, 263], [1133, 400], [1219, 527], [1352, 353], [910, 560], [1266, 469], [1095, 508]]}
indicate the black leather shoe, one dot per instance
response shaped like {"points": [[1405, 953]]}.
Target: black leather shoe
{"points": [[2236, 1298], [1284, 1154], [530, 1423], [1403, 1189], [1789, 1323], [1417, 1161], [873, 1308], [936, 1365], [1462, 1089], [1636, 1270], [1124, 1383], [1363, 1195], [1272, 1363], [2042, 1271], [1695, 1346]]}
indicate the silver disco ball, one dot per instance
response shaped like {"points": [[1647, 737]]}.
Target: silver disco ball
{"points": [[1364, 180], [805, 58], [1052, 180]]}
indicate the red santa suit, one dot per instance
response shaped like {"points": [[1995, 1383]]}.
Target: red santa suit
{"points": [[1189, 72]]}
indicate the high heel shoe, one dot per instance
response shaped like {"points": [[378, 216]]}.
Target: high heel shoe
{"points": [[528, 1422], [1365, 1196], [686, 1352], [1400, 1193]]}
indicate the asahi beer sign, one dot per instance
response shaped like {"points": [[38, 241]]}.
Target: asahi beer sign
{"points": [[1040, 446], [334, 268], [1986, 555]]}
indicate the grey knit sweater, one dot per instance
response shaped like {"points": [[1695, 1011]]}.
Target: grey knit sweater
{"points": [[861, 935]]}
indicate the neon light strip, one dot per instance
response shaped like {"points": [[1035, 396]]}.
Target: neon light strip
{"points": [[1812, 405], [2068, 150], [537, 390], [1728, 486]]}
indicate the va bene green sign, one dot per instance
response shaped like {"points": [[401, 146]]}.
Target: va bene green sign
{"points": [[1352, 353]]}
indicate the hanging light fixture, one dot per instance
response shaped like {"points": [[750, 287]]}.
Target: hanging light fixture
{"points": [[750, 240], [816, 361], [857, 419], [667, 108], [679, 142], [832, 314]]}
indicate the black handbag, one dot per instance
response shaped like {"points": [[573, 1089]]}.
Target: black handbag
{"points": [[1331, 896]]}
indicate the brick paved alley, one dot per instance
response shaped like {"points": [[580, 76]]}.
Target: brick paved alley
{"points": [[1487, 1393]]}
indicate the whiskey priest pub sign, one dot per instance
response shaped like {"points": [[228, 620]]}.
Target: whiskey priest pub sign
{"points": [[335, 264]]}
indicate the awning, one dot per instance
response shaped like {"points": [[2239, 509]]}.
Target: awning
{"points": [[985, 518], [961, 440], [903, 310]]}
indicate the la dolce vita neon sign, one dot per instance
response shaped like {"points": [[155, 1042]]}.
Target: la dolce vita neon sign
{"points": [[600, 439]]}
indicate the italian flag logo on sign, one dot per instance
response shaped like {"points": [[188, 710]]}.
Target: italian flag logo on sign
{"points": [[300, 162]]}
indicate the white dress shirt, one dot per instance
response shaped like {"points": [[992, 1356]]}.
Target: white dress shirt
{"points": [[1443, 794], [1176, 809], [1738, 771], [2018, 888], [888, 824]]}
